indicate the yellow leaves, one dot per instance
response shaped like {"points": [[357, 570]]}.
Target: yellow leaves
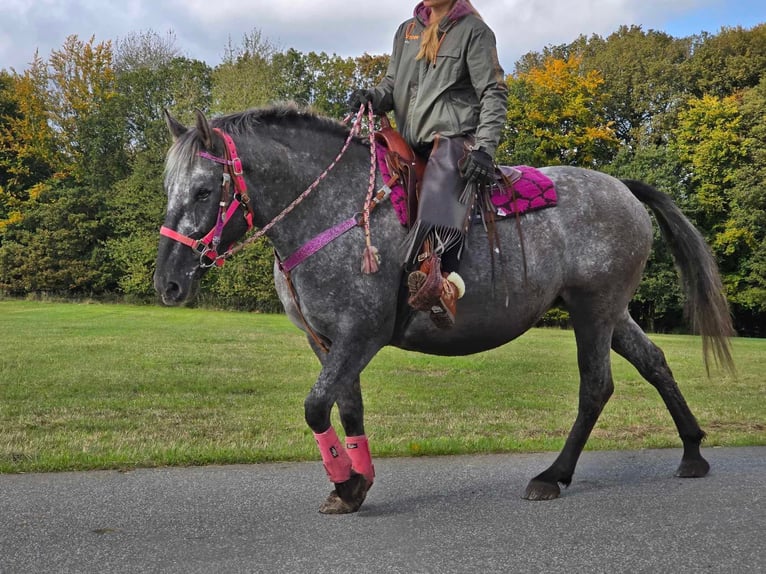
{"points": [[561, 106], [82, 81], [562, 77], [37, 189], [732, 238], [13, 218], [709, 139]]}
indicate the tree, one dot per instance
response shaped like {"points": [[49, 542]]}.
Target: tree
{"points": [[85, 112], [145, 49], [28, 153], [57, 246], [743, 239], [642, 81], [180, 84], [708, 140], [726, 63], [152, 76], [555, 116], [247, 77]]}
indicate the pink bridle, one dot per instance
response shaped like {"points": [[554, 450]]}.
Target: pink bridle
{"points": [[207, 247]]}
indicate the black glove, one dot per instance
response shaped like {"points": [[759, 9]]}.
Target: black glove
{"points": [[477, 166], [359, 97]]}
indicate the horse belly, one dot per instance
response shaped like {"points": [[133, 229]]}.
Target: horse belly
{"points": [[506, 294]]}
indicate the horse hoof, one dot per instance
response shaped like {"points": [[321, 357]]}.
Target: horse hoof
{"points": [[539, 490], [347, 497], [335, 505], [696, 468]]}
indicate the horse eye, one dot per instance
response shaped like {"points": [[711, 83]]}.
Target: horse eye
{"points": [[203, 194]]}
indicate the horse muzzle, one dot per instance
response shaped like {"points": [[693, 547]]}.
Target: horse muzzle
{"points": [[174, 291]]}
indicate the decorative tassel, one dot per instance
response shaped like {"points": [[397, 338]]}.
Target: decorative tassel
{"points": [[370, 260], [371, 257]]}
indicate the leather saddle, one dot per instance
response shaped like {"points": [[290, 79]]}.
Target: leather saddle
{"points": [[407, 168]]}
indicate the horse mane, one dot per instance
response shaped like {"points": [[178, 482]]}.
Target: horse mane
{"points": [[244, 122], [185, 149]]}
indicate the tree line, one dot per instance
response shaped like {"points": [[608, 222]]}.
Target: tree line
{"points": [[83, 142]]}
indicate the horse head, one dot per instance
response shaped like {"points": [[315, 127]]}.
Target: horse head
{"points": [[206, 211]]}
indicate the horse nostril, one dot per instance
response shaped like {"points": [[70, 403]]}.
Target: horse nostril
{"points": [[172, 292]]}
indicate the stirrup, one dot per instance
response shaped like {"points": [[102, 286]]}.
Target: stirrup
{"points": [[443, 311]]}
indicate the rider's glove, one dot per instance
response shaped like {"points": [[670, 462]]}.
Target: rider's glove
{"points": [[477, 166], [359, 97]]}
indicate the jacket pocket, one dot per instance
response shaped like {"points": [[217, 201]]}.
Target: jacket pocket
{"points": [[449, 66]]}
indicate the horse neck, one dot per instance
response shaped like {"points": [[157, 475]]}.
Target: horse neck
{"points": [[286, 163]]}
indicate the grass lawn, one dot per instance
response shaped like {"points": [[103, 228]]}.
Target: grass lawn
{"points": [[118, 386]]}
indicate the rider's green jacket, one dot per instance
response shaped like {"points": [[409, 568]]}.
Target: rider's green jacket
{"points": [[463, 93]]}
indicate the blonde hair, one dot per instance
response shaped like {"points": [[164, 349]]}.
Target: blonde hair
{"points": [[430, 42]]}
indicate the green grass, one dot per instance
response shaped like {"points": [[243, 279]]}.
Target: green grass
{"points": [[117, 386]]}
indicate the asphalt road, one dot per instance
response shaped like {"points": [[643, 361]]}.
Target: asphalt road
{"points": [[625, 512]]}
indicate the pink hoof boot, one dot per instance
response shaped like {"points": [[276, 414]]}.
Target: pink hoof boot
{"points": [[358, 449], [334, 457]]}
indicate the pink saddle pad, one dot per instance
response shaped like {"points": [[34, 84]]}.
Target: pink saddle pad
{"points": [[533, 190]]}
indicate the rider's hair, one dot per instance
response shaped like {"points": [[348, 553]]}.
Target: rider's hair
{"points": [[430, 40]]}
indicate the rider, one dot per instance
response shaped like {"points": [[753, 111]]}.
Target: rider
{"points": [[448, 94]]}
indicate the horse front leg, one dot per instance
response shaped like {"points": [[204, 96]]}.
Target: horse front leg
{"points": [[348, 467], [351, 410]]}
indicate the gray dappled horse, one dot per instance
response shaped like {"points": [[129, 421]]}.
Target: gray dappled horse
{"points": [[587, 253]]}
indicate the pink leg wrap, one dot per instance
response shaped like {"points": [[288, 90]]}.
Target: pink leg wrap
{"points": [[359, 451], [335, 458]]}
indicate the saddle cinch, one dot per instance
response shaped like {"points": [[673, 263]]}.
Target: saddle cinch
{"points": [[515, 190]]}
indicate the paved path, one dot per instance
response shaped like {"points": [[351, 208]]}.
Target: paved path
{"points": [[625, 512]]}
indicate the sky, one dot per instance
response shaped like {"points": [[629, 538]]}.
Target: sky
{"points": [[204, 28]]}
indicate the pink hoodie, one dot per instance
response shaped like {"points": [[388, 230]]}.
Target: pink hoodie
{"points": [[459, 10]]}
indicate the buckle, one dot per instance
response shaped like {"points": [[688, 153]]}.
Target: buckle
{"points": [[200, 248], [236, 166]]}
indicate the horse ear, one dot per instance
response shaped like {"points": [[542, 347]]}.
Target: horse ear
{"points": [[203, 127], [177, 129]]}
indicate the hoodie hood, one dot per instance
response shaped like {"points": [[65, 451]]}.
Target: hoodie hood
{"points": [[461, 9]]}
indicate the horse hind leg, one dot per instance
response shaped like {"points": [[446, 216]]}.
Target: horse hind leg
{"points": [[631, 342], [596, 386]]}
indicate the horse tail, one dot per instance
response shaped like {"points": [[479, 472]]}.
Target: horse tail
{"points": [[706, 305]]}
